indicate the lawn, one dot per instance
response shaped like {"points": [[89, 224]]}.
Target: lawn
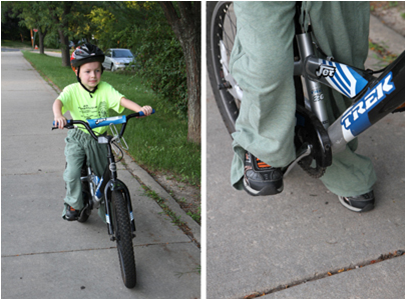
{"points": [[15, 44]]}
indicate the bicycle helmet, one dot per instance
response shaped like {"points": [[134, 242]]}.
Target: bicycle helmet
{"points": [[84, 54]]}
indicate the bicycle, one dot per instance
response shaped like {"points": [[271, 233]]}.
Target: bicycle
{"points": [[111, 191], [315, 140]]}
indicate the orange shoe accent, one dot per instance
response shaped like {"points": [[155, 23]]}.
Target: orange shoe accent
{"points": [[261, 164], [401, 106]]}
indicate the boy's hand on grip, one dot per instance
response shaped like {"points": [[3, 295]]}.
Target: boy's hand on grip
{"points": [[60, 122], [147, 110]]}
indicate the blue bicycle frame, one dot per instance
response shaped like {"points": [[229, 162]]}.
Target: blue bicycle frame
{"points": [[373, 98]]}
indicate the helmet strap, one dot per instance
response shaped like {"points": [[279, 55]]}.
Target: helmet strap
{"points": [[80, 81]]}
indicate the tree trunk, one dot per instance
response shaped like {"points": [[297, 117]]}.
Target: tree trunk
{"points": [[194, 90], [41, 41], [63, 25], [187, 30], [64, 47]]}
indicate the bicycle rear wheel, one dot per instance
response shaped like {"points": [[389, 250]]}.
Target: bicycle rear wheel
{"points": [[221, 31], [123, 235]]}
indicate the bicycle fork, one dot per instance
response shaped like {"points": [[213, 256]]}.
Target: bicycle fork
{"points": [[117, 185], [96, 185]]}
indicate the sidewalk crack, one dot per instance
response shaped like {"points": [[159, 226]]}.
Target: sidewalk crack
{"points": [[381, 258], [92, 249]]}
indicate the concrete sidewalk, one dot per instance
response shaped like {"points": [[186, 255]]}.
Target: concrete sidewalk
{"points": [[44, 256], [285, 245]]}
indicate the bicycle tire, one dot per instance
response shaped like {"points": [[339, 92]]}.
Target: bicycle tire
{"points": [[221, 26], [123, 236]]}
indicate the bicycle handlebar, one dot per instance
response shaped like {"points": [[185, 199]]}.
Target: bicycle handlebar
{"points": [[101, 122]]}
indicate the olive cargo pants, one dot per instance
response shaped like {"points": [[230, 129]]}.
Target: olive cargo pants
{"points": [[79, 146]]}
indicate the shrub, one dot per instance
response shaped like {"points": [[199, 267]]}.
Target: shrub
{"points": [[161, 65]]}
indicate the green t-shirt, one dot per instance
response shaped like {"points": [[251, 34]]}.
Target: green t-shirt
{"points": [[82, 106]]}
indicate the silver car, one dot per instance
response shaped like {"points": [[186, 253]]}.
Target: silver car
{"points": [[117, 59]]}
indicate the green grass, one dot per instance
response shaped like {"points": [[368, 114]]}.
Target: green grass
{"points": [[162, 203], [16, 44], [158, 142], [195, 216], [384, 55], [392, 3]]}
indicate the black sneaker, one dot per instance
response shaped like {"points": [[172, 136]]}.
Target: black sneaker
{"points": [[361, 203], [71, 214], [260, 178]]}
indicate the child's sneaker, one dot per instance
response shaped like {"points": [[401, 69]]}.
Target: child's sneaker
{"points": [[361, 203], [71, 214], [260, 178]]}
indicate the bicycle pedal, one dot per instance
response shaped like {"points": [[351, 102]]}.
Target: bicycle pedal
{"points": [[84, 210]]}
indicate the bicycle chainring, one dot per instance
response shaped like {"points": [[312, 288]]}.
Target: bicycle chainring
{"points": [[310, 130]]}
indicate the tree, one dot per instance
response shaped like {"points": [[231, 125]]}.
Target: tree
{"points": [[117, 22], [59, 12], [68, 17], [10, 22], [186, 24], [35, 14]]}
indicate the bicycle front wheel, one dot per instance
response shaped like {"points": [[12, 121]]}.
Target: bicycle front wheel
{"points": [[221, 31], [123, 235]]}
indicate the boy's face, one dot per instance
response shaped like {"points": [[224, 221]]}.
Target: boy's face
{"points": [[90, 74]]}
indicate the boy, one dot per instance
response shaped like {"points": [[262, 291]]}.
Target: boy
{"points": [[90, 98]]}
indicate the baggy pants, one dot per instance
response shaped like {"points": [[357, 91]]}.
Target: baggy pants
{"points": [[262, 64], [79, 146]]}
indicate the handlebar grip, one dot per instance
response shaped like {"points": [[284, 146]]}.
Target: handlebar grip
{"points": [[142, 114], [69, 122]]}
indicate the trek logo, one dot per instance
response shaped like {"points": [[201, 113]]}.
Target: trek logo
{"points": [[372, 98], [98, 121], [325, 71]]}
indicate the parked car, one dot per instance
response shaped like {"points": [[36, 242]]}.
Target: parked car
{"points": [[74, 45], [117, 59]]}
